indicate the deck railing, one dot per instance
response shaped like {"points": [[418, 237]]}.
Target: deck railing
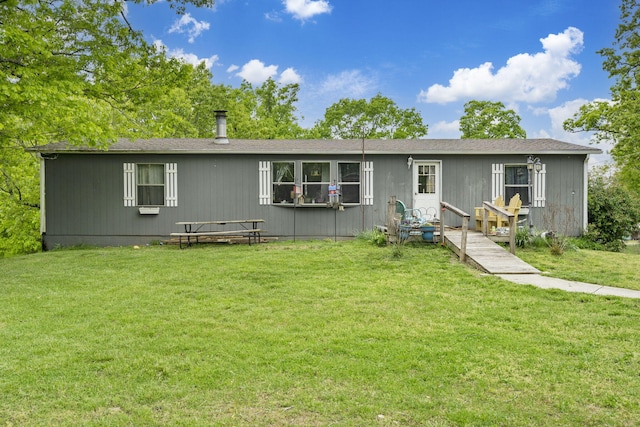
{"points": [[444, 206], [500, 212]]}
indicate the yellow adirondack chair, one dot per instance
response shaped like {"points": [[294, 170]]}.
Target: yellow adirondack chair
{"points": [[514, 207], [493, 218]]}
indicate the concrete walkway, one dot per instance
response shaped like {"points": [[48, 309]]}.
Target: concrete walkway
{"points": [[568, 285], [487, 256]]}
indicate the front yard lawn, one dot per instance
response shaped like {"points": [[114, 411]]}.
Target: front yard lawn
{"points": [[305, 334]]}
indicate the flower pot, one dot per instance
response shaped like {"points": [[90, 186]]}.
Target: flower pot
{"points": [[404, 231], [427, 232]]}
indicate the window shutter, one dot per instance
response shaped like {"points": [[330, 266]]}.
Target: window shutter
{"points": [[129, 184], [171, 184], [367, 182], [264, 184], [540, 188], [497, 180]]}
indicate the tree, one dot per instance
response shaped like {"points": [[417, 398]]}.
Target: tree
{"points": [[264, 112], [74, 71], [614, 212], [487, 120], [378, 118], [617, 120], [187, 107]]}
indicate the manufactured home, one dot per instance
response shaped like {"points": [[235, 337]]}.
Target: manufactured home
{"points": [[136, 192]]}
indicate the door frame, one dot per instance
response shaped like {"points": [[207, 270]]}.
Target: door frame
{"points": [[414, 183]]}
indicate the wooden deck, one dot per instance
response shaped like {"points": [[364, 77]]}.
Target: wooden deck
{"points": [[486, 255]]}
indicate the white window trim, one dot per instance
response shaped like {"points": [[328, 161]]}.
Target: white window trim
{"points": [[497, 181], [265, 182], [170, 185], [539, 185], [306, 183], [367, 183], [540, 188], [366, 180], [129, 184], [360, 182]]}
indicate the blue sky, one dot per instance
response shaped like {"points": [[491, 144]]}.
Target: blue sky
{"points": [[538, 57]]}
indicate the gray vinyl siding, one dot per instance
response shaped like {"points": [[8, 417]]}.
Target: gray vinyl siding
{"points": [[84, 195], [467, 183], [84, 200], [565, 195]]}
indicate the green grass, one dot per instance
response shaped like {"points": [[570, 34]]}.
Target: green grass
{"points": [[598, 267], [633, 247], [304, 334]]}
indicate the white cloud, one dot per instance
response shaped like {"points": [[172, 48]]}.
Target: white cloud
{"points": [[191, 26], [445, 130], [289, 76], [351, 83], [305, 9], [186, 57], [273, 16], [525, 77], [557, 116], [561, 113], [255, 71], [316, 97]]}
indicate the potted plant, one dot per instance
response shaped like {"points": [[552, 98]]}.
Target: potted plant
{"points": [[427, 231]]}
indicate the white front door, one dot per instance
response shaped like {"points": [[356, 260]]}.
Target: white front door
{"points": [[427, 187]]}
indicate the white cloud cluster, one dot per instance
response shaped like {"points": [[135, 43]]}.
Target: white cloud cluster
{"points": [[557, 116], [350, 83], [444, 129], [186, 57], [289, 76], [256, 72], [525, 77], [190, 25], [305, 9]]}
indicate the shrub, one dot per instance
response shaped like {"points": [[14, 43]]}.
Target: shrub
{"points": [[19, 227], [558, 243], [374, 236], [592, 239], [614, 213], [524, 239]]}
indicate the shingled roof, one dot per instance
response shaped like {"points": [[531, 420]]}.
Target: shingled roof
{"points": [[349, 146]]}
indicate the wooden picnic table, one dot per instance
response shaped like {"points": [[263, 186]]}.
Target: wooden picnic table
{"points": [[194, 229]]}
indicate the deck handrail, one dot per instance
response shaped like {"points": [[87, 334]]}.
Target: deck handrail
{"points": [[500, 212], [444, 206]]}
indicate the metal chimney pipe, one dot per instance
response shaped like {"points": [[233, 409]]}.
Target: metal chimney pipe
{"points": [[221, 127]]}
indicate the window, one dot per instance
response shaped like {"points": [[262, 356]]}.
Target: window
{"points": [[316, 177], [277, 182], [507, 180], [516, 180], [427, 179], [349, 182], [283, 182], [150, 184]]}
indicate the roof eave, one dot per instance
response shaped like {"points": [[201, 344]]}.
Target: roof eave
{"points": [[339, 152]]}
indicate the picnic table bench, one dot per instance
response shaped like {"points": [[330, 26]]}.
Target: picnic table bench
{"points": [[193, 230]]}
